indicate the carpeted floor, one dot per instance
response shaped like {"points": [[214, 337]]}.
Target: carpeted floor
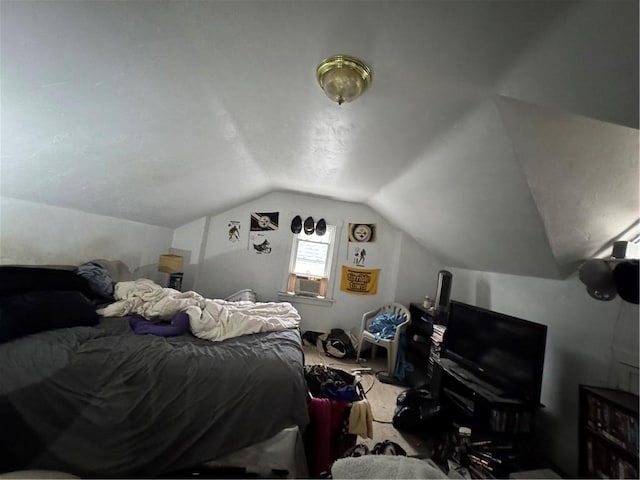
{"points": [[381, 396]]}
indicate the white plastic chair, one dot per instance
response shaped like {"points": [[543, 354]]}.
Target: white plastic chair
{"points": [[391, 344]]}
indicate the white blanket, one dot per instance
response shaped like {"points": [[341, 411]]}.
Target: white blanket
{"points": [[385, 466], [209, 319]]}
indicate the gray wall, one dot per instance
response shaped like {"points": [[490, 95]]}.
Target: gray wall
{"points": [[36, 234], [407, 271], [588, 342], [417, 272]]}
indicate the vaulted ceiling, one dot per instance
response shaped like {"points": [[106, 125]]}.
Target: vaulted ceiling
{"points": [[501, 135]]}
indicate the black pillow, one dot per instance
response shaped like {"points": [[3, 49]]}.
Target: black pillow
{"points": [[24, 279], [44, 310]]}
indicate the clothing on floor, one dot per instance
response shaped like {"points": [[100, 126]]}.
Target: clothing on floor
{"points": [[325, 382], [361, 419]]}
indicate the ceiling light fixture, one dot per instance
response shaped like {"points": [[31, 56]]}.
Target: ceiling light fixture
{"points": [[343, 78]]}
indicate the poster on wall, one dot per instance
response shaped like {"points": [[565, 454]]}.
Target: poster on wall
{"points": [[259, 243], [358, 254], [362, 232], [359, 281], [262, 226], [261, 221], [234, 231]]}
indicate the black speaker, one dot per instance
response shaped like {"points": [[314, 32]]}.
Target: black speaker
{"points": [[443, 294]]}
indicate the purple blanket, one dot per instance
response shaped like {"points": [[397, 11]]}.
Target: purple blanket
{"points": [[179, 326]]}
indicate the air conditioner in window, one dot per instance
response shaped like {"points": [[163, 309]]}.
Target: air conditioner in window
{"points": [[308, 286]]}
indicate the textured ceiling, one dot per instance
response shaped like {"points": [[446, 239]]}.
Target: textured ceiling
{"points": [[491, 132]]}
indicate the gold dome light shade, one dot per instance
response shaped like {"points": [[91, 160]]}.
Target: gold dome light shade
{"points": [[343, 78]]}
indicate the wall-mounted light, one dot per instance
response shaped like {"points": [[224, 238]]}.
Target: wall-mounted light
{"points": [[343, 78]]}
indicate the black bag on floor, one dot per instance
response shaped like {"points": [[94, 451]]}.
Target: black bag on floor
{"points": [[336, 343], [417, 411]]}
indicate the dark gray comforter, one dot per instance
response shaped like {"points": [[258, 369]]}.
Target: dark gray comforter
{"points": [[101, 401]]}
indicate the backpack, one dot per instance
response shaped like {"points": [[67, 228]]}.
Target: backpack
{"points": [[339, 344]]}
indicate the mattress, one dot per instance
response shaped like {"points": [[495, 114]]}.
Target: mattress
{"points": [[102, 401]]}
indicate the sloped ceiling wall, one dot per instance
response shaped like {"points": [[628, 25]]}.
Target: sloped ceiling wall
{"points": [[583, 175], [515, 188], [469, 201], [501, 135]]}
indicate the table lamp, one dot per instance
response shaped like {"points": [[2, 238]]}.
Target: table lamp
{"points": [[173, 265]]}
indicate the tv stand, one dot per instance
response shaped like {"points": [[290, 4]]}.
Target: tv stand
{"points": [[465, 376], [473, 402]]}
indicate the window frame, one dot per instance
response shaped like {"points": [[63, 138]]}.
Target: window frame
{"points": [[325, 288]]}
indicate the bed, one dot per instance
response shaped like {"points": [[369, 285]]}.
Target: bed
{"points": [[95, 399]]}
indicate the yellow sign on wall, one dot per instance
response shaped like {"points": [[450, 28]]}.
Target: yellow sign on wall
{"points": [[359, 281]]}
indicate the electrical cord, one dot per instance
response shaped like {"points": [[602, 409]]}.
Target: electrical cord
{"points": [[380, 421], [378, 374], [375, 374]]}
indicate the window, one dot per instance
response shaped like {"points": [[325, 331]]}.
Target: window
{"points": [[310, 263]]}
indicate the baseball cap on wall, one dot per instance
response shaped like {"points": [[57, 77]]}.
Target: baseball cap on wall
{"points": [[309, 225], [296, 224]]}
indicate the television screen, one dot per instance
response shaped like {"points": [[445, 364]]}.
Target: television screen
{"points": [[504, 350]]}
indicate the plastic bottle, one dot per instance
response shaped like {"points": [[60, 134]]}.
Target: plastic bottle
{"points": [[427, 303]]}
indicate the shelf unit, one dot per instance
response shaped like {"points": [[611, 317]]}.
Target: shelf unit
{"points": [[424, 337], [475, 403], [501, 425], [608, 433]]}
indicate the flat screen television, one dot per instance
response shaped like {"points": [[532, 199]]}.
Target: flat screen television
{"points": [[506, 351]]}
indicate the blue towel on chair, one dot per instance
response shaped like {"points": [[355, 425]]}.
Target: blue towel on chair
{"points": [[385, 324]]}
